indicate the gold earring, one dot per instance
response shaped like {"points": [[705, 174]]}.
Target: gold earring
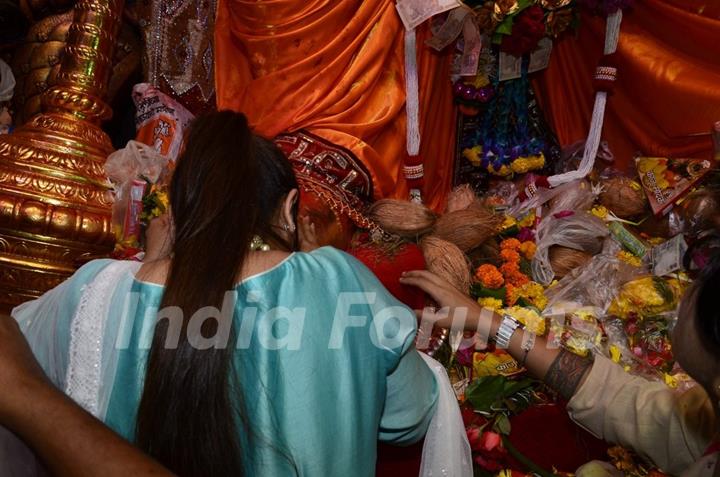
{"points": [[257, 243]]}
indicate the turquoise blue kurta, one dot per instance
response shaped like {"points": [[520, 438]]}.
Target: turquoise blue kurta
{"points": [[345, 375]]}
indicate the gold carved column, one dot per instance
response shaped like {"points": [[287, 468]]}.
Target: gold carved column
{"points": [[54, 198]]}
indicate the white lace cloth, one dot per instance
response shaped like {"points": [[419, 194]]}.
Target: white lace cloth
{"points": [[85, 363], [446, 451]]}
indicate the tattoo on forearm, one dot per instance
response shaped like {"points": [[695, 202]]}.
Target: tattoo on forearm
{"points": [[566, 373]]}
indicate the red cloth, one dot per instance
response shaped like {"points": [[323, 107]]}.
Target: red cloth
{"points": [[389, 265], [548, 437]]}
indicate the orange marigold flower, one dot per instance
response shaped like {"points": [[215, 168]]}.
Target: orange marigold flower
{"points": [[511, 243], [517, 279], [489, 276], [511, 294], [509, 255], [509, 268], [528, 249]]}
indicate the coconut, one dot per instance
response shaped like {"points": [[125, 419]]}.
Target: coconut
{"points": [[563, 260], [447, 261], [406, 219], [623, 197], [467, 228]]}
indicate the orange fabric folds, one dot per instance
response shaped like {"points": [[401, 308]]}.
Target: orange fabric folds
{"points": [[335, 68], [668, 90]]}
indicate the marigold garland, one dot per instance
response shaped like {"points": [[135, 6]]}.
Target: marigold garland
{"points": [[494, 304], [489, 276], [510, 255], [532, 320], [510, 243], [528, 249]]}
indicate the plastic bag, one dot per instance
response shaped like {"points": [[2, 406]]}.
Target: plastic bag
{"points": [[130, 170], [580, 231], [595, 284], [576, 195], [577, 330]]}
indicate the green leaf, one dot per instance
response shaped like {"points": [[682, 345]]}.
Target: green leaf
{"points": [[484, 392], [514, 230], [525, 266], [505, 27], [479, 291], [490, 393], [502, 424], [513, 387], [664, 289]]}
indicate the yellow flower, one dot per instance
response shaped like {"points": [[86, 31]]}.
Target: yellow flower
{"points": [[163, 199], [646, 296], [629, 258], [533, 322], [528, 220], [532, 292], [615, 354], [473, 155], [671, 381], [489, 302], [521, 165], [528, 249], [508, 222], [599, 211]]}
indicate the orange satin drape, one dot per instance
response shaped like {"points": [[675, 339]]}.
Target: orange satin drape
{"points": [[668, 90], [336, 68]]}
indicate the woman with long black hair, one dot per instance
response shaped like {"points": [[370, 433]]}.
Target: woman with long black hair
{"points": [[264, 361]]}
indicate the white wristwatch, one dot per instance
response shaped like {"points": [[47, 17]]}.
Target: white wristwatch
{"points": [[508, 325]]}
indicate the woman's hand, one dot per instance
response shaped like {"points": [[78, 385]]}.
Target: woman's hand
{"points": [[158, 238], [456, 308]]}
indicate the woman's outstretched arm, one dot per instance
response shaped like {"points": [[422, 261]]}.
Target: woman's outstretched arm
{"points": [[670, 429], [561, 370], [67, 439]]}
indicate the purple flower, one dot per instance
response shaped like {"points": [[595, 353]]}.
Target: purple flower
{"points": [[526, 234]]}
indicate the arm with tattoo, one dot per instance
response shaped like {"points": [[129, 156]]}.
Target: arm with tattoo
{"points": [[567, 372]]}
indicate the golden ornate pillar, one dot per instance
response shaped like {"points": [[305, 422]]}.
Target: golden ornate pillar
{"points": [[54, 198]]}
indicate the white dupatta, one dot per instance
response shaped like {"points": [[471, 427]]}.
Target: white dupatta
{"points": [[446, 451]]}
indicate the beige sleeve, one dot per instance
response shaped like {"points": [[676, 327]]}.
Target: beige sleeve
{"points": [[669, 428]]}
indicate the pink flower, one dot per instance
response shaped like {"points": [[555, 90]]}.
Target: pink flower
{"points": [[464, 355], [526, 234], [474, 435], [490, 441], [563, 213]]}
